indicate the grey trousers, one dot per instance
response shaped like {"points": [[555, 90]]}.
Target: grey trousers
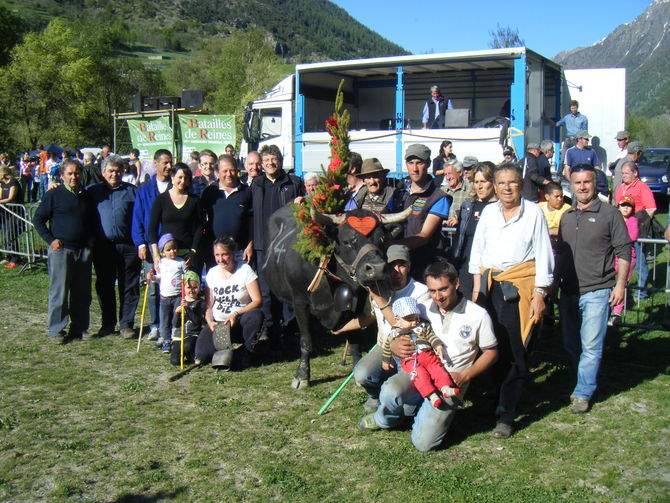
{"points": [[69, 290]]}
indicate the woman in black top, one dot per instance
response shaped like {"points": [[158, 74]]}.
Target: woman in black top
{"points": [[179, 213], [468, 217], [10, 193], [446, 154]]}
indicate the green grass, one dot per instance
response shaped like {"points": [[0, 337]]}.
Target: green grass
{"points": [[96, 421]]}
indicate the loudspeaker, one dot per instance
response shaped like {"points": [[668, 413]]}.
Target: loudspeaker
{"points": [[169, 102], [137, 103], [149, 103], [191, 99]]}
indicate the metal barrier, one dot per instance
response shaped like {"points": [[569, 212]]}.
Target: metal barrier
{"points": [[652, 313], [19, 237]]}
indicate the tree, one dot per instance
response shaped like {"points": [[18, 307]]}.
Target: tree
{"points": [[11, 34], [505, 36]]}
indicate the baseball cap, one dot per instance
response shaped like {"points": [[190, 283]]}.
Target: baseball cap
{"points": [[582, 133], [634, 146], [397, 252], [164, 239], [418, 150], [627, 200], [469, 161], [622, 135], [533, 145], [508, 151], [404, 306]]}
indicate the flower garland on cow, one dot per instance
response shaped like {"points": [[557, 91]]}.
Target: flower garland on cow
{"points": [[313, 243]]}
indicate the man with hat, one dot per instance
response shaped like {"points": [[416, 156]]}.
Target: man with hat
{"points": [[375, 195], [368, 371], [429, 207], [535, 174], [581, 153], [633, 153], [456, 187], [469, 163], [508, 156]]}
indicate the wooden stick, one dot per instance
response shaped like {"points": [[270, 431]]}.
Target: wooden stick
{"points": [[185, 371], [144, 308], [344, 353]]}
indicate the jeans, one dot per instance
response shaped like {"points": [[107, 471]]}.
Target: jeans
{"points": [[399, 399], [117, 262], [368, 372], [44, 184], [167, 309], [584, 326], [642, 269], [69, 290]]}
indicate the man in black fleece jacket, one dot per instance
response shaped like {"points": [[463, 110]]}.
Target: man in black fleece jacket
{"points": [[64, 219]]}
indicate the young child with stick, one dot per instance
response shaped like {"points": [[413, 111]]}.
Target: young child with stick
{"points": [[194, 316], [428, 374], [171, 271]]}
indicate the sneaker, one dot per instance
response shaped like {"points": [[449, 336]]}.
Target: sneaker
{"points": [[86, 336], [579, 405], [368, 423], [166, 348], [153, 334], [371, 404], [127, 333]]}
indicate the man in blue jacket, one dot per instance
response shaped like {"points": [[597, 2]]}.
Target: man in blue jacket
{"points": [[114, 255], [144, 199]]}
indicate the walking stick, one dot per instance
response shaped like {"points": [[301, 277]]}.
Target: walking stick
{"points": [[338, 391], [344, 353], [183, 310], [144, 307], [185, 371]]}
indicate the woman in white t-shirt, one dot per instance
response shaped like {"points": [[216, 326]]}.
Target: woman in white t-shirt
{"points": [[233, 296]]}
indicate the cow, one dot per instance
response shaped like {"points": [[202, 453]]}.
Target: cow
{"points": [[358, 262]]}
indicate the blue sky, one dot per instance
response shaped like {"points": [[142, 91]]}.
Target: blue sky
{"points": [[422, 26]]}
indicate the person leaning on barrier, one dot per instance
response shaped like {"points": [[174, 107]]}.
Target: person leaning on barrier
{"points": [[590, 235], [471, 348], [512, 264], [114, 255], [65, 220], [11, 193], [432, 115]]}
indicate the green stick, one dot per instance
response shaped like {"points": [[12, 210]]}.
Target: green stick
{"points": [[338, 391]]}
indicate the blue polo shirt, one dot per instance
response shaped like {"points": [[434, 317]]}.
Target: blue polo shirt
{"points": [[114, 208], [586, 155]]}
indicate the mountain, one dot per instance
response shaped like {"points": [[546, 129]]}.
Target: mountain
{"points": [[643, 48], [302, 30]]}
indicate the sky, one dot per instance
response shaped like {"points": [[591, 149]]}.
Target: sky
{"points": [[427, 26]]}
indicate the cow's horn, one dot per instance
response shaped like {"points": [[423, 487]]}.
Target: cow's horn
{"points": [[326, 218], [396, 218]]}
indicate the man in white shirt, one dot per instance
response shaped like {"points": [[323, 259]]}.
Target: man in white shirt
{"points": [[467, 333], [512, 264]]}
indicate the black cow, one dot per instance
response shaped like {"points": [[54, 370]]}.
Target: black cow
{"points": [[358, 261]]}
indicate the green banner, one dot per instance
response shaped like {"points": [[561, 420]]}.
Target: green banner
{"points": [[150, 135], [213, 132]]}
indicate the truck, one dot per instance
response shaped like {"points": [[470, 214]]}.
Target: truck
{"points": [[500, 97]]}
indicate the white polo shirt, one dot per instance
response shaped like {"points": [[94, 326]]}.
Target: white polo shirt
{"points": [[469, 329]]}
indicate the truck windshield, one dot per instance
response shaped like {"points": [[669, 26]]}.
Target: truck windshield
{"points": [[271, 120]]}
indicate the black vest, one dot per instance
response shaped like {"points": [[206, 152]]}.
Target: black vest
{"points": [[442, 104]]}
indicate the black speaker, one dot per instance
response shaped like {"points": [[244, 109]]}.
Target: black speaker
{"points": [[137, 103], [191, 99], [149, 103], [169, 102]]}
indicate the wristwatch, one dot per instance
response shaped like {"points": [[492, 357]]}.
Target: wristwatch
{"points": [[540, 290]]}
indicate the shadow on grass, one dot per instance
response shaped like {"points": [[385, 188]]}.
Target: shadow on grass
{"points": [[149, 498]]}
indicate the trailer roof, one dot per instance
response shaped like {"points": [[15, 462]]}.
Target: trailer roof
{"points": [[448, 61]]}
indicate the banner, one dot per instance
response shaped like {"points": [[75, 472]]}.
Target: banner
{"points": [[199, 132], [150, 135]]}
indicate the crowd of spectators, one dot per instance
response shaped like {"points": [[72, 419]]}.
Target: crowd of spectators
{"points": [[484, 291]]}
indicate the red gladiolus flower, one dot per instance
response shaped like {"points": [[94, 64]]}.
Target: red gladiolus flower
{"points": [[336, 186], [332, 122]]}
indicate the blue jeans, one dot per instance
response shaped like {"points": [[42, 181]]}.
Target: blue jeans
{"points": [[399, 399], [167, 308], [368, 372], [584, 326], [44, 184], [69, 290], [642, 269]]}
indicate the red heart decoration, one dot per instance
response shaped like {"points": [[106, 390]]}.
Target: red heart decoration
{"points": [[364, 225]]}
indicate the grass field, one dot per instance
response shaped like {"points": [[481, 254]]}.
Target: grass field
{"points": [[94, 421]]}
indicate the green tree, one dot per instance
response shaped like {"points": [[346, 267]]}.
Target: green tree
{"points": [[505, 36], [10, 35]]}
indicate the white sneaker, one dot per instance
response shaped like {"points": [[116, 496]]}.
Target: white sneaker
{"points": [[153, 334]]}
